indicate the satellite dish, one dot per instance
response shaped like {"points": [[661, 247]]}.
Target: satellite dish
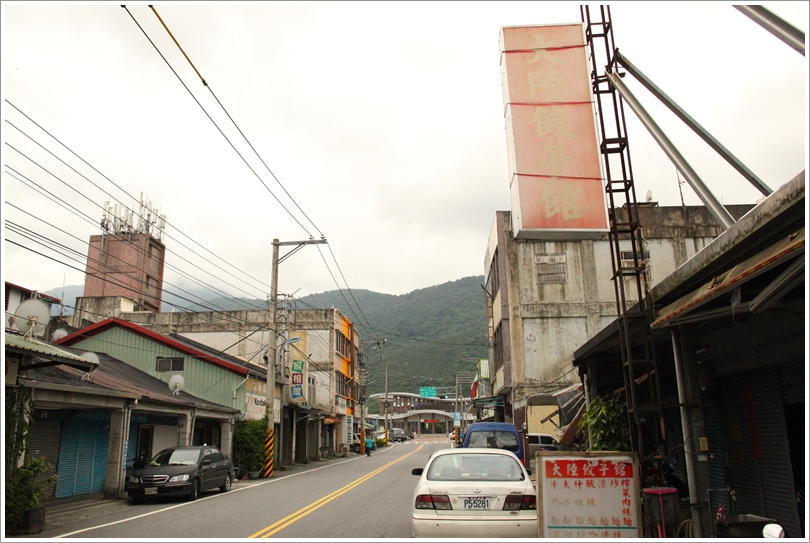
{"points": [[32, 316], [90, 356], [176, 383], [58, 334]]}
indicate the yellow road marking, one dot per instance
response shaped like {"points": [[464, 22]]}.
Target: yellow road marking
{"points": [[301, 513]]}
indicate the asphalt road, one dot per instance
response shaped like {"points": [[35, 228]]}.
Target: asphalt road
{"points": [[355, 497]]}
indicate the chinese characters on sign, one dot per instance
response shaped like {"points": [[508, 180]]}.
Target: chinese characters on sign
{"points": [[297, 388], [588, 495], [554, 159]]}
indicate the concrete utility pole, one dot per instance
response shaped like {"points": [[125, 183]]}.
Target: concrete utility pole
{"points": [[361, 393], [387, 427], [270, 435]]}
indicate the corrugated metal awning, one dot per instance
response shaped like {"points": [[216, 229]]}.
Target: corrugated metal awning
{"points": [[788, 248], [44, 354]]}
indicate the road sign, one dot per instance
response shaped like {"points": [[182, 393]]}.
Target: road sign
{"points": [[427, 392]]}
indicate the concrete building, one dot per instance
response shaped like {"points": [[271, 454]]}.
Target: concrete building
{"points": [[126, 265], [548, 297]]}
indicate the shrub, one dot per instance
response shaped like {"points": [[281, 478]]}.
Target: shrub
{"points": [[25, 486], [248, 444], [605, 424]]}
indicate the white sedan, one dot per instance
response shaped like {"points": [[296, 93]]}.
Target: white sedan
{"points": [[474, 493]]}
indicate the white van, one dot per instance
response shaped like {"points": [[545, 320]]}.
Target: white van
{"points": [[542, 442]]}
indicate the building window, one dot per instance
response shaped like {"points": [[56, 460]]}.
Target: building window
{"points": [[644, 261], [341, 344], [551, 268], [151, 284], [165, 363]]}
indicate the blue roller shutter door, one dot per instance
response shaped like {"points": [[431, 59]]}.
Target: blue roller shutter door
{"points": [[83, 458]]}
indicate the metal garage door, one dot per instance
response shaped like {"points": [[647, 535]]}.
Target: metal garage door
{"points": [[83, 458]]}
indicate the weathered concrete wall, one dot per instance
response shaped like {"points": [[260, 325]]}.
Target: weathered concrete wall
{"points": [[550, 319]]}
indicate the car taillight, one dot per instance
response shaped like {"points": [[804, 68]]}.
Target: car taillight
{"points": [[515, 502], [434, 501]]}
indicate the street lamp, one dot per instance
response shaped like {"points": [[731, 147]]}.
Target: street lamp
{"points": [[270, 438]]}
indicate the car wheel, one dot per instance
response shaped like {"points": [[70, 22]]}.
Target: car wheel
{"points": [[226, 486], [195, 490]]}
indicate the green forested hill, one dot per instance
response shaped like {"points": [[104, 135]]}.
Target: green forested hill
{"points": [[430, 333]]}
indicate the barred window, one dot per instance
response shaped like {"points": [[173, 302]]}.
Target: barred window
{"points": [[551, 268]]}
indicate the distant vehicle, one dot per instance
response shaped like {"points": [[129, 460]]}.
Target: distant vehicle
{"points": [[474, 493], [184, 472], [495, 435], [542, 442], [397, 435], [409, 435]]}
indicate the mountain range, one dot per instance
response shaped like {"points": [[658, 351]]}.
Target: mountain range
{"points": [[429, 334]]}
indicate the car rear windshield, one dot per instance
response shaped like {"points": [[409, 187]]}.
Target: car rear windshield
{"points": [[475, 466], [493, 439]]}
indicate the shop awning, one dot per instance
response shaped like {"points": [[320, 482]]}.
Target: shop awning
{"points": [[786, 250]]}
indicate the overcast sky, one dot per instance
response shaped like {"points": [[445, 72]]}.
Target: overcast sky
{"points": [[378, 125]]}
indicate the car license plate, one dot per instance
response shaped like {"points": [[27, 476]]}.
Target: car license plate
{"points": [[150, 490], [476, 503]]}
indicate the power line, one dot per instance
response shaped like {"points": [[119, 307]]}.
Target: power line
{"points": [[216, 125]]}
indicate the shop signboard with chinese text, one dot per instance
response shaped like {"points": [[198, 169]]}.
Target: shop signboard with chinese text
{"points": [[297, 380], [588, 495], [554, 159]]}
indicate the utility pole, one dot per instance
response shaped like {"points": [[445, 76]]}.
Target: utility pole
{"points": [[361, 393], [270, 435], [387, 424]]}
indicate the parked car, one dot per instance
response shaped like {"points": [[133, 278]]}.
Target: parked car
{"points": [[474, 493], [182, 471], [542, 442], [495, 435]]}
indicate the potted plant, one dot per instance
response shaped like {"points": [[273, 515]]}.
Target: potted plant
{"points": [[25, 485]]}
